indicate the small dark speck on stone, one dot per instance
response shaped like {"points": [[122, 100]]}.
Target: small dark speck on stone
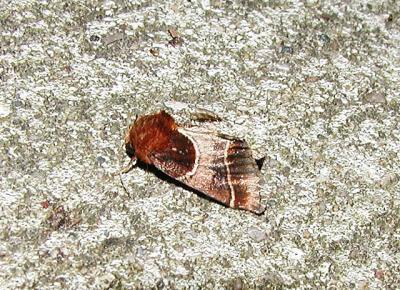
{"points": [[94, 38], [100, 160], [17, 122], [286, 171], [287, 49], [324, 38], [17, 103], [160, 284]]}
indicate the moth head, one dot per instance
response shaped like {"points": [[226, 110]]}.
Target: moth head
{"points": [[129, 148], [130, 151]]}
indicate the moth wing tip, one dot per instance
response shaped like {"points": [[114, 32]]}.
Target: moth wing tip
{"points": [[260, 162], [259, 210], [254, 206]]}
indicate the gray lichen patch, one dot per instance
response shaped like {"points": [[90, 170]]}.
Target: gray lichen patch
{"points": [[312, 86]]}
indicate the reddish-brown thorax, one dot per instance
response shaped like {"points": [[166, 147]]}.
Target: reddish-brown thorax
{"points": [[150, 133]]}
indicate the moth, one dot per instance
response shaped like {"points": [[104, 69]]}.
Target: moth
{"points": [[217, 165]]}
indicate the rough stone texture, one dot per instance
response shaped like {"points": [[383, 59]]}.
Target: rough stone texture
{"points": [[313, 85]]}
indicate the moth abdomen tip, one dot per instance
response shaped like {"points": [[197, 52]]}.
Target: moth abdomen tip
{"points": [[260, 162]]}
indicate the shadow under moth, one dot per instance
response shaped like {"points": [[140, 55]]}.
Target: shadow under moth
{"points": [[217, 165]]}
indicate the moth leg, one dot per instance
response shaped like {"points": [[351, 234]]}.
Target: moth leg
{"points": [[123, 185], [130, 166], [125, 170]]}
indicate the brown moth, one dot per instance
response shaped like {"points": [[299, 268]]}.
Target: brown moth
{"points": [[220, 166]]}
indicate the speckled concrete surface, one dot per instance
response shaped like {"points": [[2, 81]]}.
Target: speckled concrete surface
{"points": [[314, 87]]}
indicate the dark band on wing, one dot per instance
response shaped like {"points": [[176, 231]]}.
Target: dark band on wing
{"points": [[178, 158]]}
